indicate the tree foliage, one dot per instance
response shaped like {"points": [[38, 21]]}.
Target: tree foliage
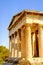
{"points": [[4, 52]]}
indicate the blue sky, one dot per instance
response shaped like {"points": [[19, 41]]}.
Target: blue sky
{"points": [[8, 8]]}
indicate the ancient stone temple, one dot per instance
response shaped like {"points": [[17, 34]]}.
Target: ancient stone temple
{"points": [[26, 35]]}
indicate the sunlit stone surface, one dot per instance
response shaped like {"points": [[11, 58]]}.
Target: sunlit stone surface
{"points": [[26, 35]]}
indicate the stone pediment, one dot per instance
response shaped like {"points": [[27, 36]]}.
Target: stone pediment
{"points": [[15, 18], [19, 15]]}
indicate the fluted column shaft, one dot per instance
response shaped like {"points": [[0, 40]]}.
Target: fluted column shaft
{"points": [[40, 39], [28, 42], [23, 44], [15, 46], [10, 47], [12, 52], [19, 45], [33, 44]]}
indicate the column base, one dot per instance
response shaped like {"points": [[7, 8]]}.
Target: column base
{"points": [[23, 61], [31, 61]]}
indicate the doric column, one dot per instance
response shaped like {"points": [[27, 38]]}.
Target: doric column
{"points": [[40, 39], [15, 46], [19, 43], [12, 52], [15, 53], [28, 41], [33, 43], [10, 46], [34, 52], [19, 50], [23, 44]]}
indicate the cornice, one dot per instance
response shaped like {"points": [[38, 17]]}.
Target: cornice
{"points": [[21, 14]]}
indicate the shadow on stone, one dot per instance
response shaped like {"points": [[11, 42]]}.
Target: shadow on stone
{"points": [[12, 61]]}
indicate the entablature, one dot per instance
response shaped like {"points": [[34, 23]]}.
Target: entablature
{"points": [[18, 25]]}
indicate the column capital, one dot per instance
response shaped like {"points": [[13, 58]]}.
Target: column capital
{"points": [[28, 25], [9, 37], [40, 26]]}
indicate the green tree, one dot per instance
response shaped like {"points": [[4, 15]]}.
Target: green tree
{"points": [[4, 53]]}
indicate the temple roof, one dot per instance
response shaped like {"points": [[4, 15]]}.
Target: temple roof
{"points": [[21, 13]]}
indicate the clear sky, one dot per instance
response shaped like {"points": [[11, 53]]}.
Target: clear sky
{"points": [[8, 8]]}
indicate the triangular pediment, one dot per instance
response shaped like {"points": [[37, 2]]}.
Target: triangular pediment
{"points": [[17, 16]]}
